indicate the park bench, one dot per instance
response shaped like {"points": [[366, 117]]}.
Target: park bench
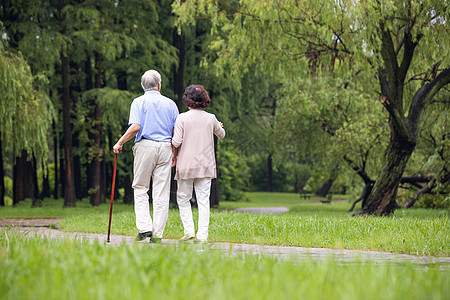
{"points": [[304, 195], [327, 200]]}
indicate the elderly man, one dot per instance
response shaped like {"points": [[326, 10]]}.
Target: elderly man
{"points": [[152, 119]]}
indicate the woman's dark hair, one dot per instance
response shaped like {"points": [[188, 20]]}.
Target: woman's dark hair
{"points": [[195, 96]]}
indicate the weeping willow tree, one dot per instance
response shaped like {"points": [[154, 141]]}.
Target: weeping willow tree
{"points": [[26, 117], [403, 43]]}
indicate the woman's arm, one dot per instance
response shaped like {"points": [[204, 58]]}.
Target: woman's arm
{"points": [[218, 129], [177, 138]]}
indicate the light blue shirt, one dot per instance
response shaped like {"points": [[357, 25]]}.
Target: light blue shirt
{"points": [[156, 114]]}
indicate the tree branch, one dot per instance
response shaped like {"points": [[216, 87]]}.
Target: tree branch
{"points": [[389, 58], [423, 97], [408, 53], [364, 195], [362, 173]]}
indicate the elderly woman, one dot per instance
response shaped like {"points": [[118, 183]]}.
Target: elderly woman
{"points": [[194, 158]]}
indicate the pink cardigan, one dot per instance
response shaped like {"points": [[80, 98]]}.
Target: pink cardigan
{"points": [[193, 135]]}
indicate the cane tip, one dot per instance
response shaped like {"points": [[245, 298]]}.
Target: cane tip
{"points": [[107, 240]]}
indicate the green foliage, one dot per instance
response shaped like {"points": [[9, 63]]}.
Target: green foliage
{"points": [[281, 182], [328, 119], [8, 201], [22, 102], [109, 45], [326, 55], [233, 172], [114, 104], [8, 186], [433, 202]]}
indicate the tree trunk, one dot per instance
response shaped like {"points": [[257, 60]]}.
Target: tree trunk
{"points": [[77, 169], [103, 183], [325, 188], [96, 172], [427, 188], [89, 163], [62, 172], [269, 173], [364, 195], [128, 190], [36, 199], [122, 83], [55, 158], [45, 185], [382, 199], [69, 183], [361, 171], [179, 42], [18, 193], [22, 178]]}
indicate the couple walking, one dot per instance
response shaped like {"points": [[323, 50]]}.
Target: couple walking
{"points": [[165, 138]]}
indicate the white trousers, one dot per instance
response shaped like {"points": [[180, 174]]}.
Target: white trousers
{"points": [[152, 160], [184, 194]]}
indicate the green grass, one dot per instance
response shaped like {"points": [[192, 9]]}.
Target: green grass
{"points": [[36, 268], [261, 199], [423, 232], [52, 208]]}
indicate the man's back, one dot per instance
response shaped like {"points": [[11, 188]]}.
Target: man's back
{"points": [[156, 114]]}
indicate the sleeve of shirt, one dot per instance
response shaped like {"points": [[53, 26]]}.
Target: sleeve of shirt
{"points": [[218, 130], [134, 114], [178, 133]]}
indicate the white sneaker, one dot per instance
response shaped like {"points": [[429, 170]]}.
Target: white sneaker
{"points": [[187, 237], [200, 241]]}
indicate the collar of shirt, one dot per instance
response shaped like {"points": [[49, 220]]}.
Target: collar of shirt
{"points": [[152, 92]]}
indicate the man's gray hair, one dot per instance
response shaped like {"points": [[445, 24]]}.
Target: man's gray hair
{"points": [[150, 80]]}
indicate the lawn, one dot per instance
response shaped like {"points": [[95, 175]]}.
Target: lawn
{"points": [[261, 199], [36, 268], [414, 231]]}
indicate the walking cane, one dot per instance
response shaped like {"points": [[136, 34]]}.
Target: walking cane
{"points": [[112, 197]]}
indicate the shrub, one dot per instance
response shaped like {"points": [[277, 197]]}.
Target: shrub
{"points": [[233, 173], [433, 201]]}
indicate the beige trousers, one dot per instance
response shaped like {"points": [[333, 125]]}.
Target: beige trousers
{"points": [[152, 160], [184, 194]]}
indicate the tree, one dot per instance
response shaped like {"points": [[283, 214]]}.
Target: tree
{"points": [[400, 41], [23, 103], [69, 181]]}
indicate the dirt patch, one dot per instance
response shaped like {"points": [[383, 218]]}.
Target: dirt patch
{"points": [[29, 222]]}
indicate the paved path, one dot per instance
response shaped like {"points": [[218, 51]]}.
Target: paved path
{"points": [[263, 210], [292, 253]]}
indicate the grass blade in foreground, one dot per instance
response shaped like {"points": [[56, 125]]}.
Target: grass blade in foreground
{"points": [[35, 268]]}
